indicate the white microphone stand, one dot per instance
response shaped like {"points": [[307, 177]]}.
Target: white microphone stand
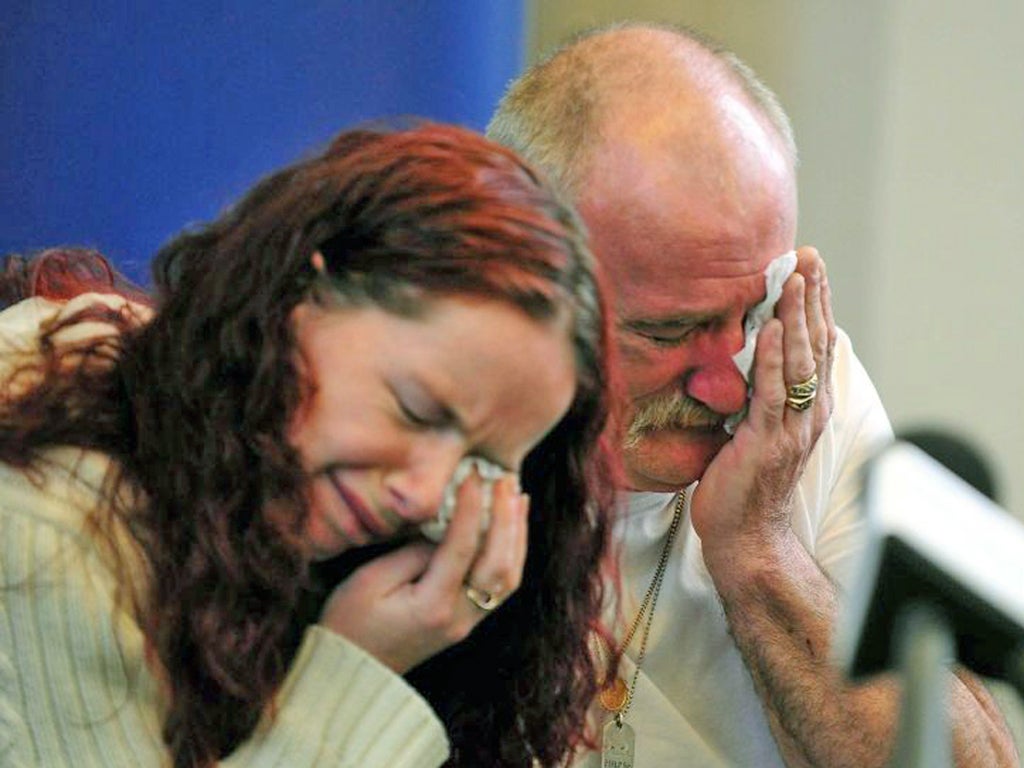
{"points": [[924, 654]]}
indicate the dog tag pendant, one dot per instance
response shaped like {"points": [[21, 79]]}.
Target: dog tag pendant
{"points": [[617, 745]]}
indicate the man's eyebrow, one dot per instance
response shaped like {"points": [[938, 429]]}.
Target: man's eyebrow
{"points": [[653, 325]]}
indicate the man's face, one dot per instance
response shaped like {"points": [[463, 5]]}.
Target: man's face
{"points": [[684, 237]]}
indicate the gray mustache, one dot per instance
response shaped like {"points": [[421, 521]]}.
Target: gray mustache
{"points": [[674, 410]]}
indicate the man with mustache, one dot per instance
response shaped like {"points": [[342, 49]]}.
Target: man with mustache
{"points": [[734, 546]]}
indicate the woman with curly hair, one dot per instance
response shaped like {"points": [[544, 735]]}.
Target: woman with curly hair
{"points": [[211, 508]]}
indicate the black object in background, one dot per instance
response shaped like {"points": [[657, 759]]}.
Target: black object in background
{"points": [[957, 454]]}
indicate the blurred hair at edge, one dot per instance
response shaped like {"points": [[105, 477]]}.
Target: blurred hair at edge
{"points": [[61, 274], [430, 210]]}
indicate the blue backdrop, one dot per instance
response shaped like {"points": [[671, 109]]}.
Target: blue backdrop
{"points": [[122, 122]]}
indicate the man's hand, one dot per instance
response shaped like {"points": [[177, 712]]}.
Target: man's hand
{"points": [[779, 605], [741, 506], [408, 605]]}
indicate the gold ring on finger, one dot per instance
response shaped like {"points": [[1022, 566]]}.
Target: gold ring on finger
{"points": [[485, 601], [801, 396]]}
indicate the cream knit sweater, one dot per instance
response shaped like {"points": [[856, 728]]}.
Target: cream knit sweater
{"points": [[74, 687]]}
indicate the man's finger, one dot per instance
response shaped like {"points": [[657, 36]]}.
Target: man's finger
{"points": [[769, 397], [799, 363]]}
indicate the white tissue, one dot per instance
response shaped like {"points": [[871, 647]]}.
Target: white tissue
{"points": [[775, 276], [489, 473]]}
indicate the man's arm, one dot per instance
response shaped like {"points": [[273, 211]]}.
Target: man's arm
{"points": [[781, 610], [780, 605]]}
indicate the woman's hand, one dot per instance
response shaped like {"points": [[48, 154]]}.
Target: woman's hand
{"points": [[410, 604]]}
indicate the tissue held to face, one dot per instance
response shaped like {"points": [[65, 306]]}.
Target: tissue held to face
{"points": [[398, 401], [488, 473]]}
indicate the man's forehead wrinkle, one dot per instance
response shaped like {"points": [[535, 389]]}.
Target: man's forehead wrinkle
{"points": [[683, 299], [663, 230], [668, 266]]}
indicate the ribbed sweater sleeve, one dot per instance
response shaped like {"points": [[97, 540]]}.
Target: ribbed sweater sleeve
{"points": [[382, 722], [75, 690]]}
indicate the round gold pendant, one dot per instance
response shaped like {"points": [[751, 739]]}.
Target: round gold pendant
{"points": [[613, 696]]}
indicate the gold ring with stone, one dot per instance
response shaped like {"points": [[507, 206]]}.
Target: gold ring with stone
{"points": [[801, 396], [485, 601]]}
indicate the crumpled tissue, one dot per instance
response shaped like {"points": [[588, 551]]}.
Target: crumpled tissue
{"points": [[489, 473], [775, 276]]}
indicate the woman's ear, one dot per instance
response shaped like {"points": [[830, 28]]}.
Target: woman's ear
{"points": [[300, 316]]}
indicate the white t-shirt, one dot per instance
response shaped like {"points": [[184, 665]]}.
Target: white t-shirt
{"points": [[694, 703]]}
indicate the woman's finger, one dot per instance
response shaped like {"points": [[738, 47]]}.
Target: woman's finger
{"points": [[498, 569], [455, 555], [396, 569]]}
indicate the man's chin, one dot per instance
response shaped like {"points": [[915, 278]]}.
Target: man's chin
{"points": [[670, 459]]}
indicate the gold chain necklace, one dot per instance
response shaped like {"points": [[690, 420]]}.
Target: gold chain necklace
{"points": [[618, 739]]}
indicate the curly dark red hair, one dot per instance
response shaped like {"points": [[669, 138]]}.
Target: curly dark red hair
{"points": [[195, 406]]}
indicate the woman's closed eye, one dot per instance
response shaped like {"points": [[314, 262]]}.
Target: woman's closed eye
{"points": [[416, 418], [421, 410]]}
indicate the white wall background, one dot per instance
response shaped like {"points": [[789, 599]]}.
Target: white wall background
{"points": [[910, 120]]}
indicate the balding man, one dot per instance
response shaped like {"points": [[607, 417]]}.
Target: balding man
{"points": [[734, 546]]}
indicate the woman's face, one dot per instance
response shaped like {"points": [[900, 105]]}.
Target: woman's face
{"points": [[397, 401]]}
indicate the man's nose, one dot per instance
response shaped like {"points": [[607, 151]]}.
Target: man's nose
{"points": [[714, 379], [720, 386]]}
